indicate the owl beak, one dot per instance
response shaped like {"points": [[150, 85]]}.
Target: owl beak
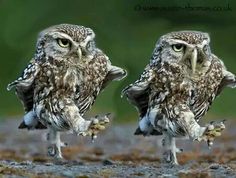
{"points": [[79, 53], [194, 60]]}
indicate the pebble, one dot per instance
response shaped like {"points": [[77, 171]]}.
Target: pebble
{"points": [[214, 166], [107, 162]]}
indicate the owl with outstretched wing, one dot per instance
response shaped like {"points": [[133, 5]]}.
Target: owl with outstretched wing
{"points": [[61, 83], [177, 89]]}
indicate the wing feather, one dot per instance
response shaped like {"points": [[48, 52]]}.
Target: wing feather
{"points": [[24, 85], [229, 80], [114, 73], [138, 93]]}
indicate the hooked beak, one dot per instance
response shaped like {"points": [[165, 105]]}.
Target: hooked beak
{"points": [[79, 53], [193, 60]]}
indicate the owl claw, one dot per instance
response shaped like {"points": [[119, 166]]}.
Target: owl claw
{"points": [[213, 130], [97, 124], [54, 151]]}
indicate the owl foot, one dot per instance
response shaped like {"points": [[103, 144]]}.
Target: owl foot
{"points": [[97, 124], [169, 157], [55, 144], [54, 151], [213, 130], [170, 150]]}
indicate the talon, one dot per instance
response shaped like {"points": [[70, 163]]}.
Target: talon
{"points": [[179, 150], [108, 115], [100, 127], [222, 126], [212, 122], [106, 120], [95, 121], [94, 137], [210, 127], [51, 151], [83, 134], [210, 143], [64, 144], [89, 133]]}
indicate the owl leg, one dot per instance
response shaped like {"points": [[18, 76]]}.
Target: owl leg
{"points": [[189, 126], [83, 127], [169, 154], [54, 148], [196, 132]]}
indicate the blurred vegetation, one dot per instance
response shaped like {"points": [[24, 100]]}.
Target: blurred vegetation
{"points": [[126, 33]]}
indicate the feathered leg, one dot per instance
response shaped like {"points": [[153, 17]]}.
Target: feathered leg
{"points": [[170, 150], [54, 148], [81, 126], [196, 132]]}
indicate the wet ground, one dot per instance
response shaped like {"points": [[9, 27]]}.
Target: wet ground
{"points": [[115, 153]]}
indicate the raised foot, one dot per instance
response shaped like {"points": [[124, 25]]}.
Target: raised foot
{"points": [[213, 130], [97, 124]]}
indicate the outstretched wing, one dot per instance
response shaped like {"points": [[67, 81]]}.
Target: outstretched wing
{"points": [[229, 80], [114, 73], [24, 85], [138, 92]]}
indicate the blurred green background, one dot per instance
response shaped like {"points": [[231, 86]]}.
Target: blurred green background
{"points": [[125, 30]]}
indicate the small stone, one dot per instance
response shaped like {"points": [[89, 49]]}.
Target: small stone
{"points": [[26, 163], [68, 174], [214, 166], [107, 162], [48, 164]]}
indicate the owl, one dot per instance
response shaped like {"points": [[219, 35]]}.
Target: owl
{"points": [[177, 89], [61, 83]]}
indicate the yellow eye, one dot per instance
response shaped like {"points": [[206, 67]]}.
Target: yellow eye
{"points": [[64, 43], [178, 47]]}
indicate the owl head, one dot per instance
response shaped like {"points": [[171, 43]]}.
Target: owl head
{"points": [[190, 49], [65, 42]]}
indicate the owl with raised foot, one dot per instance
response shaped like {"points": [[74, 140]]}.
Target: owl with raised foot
{"points": [[61, 83], [177, 88]]}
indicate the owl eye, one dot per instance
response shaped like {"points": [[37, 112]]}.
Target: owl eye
{"points": [[90, 45], [178, 47], [64, 43], [206, 48]]}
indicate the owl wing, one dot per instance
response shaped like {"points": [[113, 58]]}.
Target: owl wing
{"points": [[114, 73], [229, 80], [24, 85], [138, 92]]}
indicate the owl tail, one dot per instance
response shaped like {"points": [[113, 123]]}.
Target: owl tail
{"points": [[38, 126], [31, 121]]}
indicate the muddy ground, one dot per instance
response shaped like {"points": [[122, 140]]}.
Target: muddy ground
{"points": [[115, 153]]}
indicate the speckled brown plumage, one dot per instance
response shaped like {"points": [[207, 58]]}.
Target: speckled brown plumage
{"points": [[62, 82], [177, 89]]}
